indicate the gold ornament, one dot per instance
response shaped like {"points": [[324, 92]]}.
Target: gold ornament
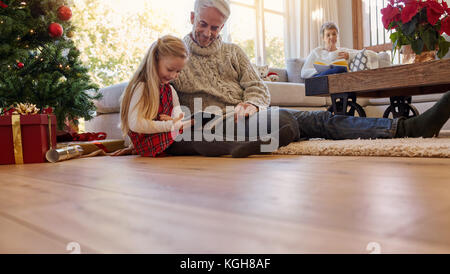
{"points": [[70, 34], [26, 109]]}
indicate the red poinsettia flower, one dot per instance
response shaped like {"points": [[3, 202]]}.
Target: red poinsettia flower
{"points": [[445, 26], [390, 14], [3, 5], [434, 11], [410, 10], [446, 8]]}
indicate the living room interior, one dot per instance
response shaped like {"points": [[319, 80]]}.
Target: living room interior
{"points": [[375, 196]]}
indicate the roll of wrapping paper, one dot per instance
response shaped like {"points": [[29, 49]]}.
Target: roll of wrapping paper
{"points": [[63, 154]]}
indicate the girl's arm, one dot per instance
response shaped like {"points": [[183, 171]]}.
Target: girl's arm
{"points": [[145, 126], [141, 125], [308, 69]]}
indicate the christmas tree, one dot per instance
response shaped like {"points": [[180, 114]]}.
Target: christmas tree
{"points": [[39, 63]]}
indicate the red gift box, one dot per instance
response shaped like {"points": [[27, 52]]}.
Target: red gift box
{"points": [[34, 131]]}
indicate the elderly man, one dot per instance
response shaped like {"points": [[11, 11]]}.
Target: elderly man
{"points": [[220, 74]]}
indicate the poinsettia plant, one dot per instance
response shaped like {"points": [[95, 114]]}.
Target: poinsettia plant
{"points": [[419, 23]]}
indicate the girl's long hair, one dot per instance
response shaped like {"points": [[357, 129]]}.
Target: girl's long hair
{"points": [[147, 74]]}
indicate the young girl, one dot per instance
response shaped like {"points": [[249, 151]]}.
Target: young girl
{"points": [[150, 112]]}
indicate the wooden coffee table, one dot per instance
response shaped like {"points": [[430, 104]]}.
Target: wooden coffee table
{"points": [[397, 82]]}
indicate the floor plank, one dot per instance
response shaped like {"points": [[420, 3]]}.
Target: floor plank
{"points": [[267, 204]]}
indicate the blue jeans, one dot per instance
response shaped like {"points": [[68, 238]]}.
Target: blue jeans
{"points": [[323, 124], [295, 125]]}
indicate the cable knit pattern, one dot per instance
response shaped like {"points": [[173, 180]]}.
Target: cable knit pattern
{"points": [[222, 75]]}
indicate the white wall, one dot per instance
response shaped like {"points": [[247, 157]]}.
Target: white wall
{"points": [[345, 23]]}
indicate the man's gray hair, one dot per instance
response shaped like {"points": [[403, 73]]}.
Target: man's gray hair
{"points": [[328, 26], [221, 5]]}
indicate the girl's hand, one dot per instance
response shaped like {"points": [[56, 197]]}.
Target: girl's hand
{"points": [[343, 55], [179, 124], [164, 117], [125, 151]]}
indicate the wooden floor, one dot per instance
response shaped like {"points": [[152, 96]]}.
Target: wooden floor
{"points": [[267, 204]]}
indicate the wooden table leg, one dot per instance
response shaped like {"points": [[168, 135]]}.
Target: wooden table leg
{"points": [[401, 107]]}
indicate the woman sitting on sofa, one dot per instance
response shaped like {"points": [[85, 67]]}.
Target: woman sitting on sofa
{"points": [[328, 54]]}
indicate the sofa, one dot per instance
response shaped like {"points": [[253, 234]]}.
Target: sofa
{"points": [[288, 92]]}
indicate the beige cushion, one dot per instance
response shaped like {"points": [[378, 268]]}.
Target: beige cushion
{"points": [[384, 60], [294, 69], [292, 94], [282, 73], [111, 96]]}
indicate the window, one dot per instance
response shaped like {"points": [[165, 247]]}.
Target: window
{"points": [[369, 31], [114, 35], [258, 27]]}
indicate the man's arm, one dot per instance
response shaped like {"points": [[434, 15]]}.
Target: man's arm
{"points": [[256, 92]]}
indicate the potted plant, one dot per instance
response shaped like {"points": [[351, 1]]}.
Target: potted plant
{"points": [[418, 24]]}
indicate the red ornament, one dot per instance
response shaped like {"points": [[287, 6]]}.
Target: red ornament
{"points": [[64, 13], [20, 65], [55, 30], [3, 5]]}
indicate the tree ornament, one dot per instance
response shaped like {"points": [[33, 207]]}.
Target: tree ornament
{"points": [[64, 13], [55, 30], [3, 5], [20, 65], [70, 34]]}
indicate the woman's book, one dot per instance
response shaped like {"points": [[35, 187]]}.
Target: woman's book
{"points": [[322, 66]]}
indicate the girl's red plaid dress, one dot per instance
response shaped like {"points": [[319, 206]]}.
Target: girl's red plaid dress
{"points": [[153, 145]]}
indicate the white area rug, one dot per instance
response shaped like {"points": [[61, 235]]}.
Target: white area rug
{"points": [[406, 147]]}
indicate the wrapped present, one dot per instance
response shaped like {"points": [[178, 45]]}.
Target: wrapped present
{"points": [[107, 146], [24, 139]]}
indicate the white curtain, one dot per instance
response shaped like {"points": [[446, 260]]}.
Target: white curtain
{"points": [[305, 17]]}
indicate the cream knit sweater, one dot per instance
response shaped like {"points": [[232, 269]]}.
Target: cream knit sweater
{"points": [[221, 75]]}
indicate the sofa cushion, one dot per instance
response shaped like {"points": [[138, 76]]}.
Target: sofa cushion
{"points": [[108, 123], [292, 94], [360, 62], [384, 60], [294, 70], [415, 99], [111, 96], [282, 73]]}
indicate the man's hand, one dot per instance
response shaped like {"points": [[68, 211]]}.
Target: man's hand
{"points": [[244, 110]]}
